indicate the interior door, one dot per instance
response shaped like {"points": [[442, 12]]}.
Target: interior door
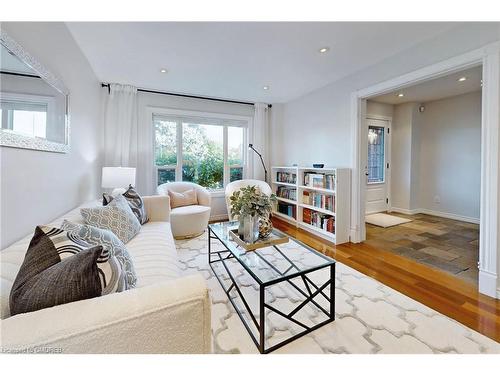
{"points": [[377, 186]]}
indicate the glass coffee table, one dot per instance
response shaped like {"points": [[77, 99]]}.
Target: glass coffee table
{"points": [[287, 288]]}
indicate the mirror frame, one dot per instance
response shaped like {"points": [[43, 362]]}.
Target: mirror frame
{"points": [[10, 139]]}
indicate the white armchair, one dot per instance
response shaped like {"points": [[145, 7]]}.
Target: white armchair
{"points": [[188, 221], [237, 185]]}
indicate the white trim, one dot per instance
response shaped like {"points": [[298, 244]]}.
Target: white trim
{"points": [[405, 211], [387, 157], [489, 57], [488, 282], [187, 113], [446, 215]]}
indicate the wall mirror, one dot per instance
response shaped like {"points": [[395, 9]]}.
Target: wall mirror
{"points": [[33, 102]]}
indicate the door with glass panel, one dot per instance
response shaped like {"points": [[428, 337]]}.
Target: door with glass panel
{"points": [[377, 184]]}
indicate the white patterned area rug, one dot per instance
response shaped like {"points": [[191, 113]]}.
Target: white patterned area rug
{"points": [[370, 316]]}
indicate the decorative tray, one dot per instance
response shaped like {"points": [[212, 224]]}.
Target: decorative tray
{"points": [[273, 239]]}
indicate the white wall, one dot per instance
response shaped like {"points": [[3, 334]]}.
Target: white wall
{"points": [[37, 187], [316, 126], [379, 109], [450, 155], [437, 154], [404, 181], [147, 100]]}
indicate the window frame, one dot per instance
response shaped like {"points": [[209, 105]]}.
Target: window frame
{"points": [[384, 150], [27, 99], [173, 113]]}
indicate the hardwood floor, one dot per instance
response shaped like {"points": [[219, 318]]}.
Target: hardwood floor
{"points": [[440, 291]]}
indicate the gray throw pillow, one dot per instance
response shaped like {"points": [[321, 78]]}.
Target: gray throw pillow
{"points": [[46, 279], [116, 217], [110, 242], [135, 202]]}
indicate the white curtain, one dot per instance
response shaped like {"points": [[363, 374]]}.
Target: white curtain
{"points": [[128, 142], [260, 140], [120, 126]]}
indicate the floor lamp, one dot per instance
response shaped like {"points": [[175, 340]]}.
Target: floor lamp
{"points": [[250, 146]]}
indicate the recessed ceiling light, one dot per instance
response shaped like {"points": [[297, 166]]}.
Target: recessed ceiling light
{"points": [[461, 79], [266, 87], [163, 70], [401, 94], [324, 49]]}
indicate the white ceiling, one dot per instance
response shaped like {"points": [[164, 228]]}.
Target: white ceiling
{"points": [[439, 88], [235, 60]]}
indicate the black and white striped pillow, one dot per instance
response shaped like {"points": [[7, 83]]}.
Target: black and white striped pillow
{"points": [[68, 244]]}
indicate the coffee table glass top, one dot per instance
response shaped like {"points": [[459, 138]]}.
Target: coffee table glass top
{"points": [[272, 263]]}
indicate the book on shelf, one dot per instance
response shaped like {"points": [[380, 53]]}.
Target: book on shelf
{"points": [[287, 209], [319, 220], [319, 180], [286, 192], [320, 200], [288, 177]]}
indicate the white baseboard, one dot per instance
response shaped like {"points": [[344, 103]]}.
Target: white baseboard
{"points": [[446, 215], [404, 211], [488, 284]]}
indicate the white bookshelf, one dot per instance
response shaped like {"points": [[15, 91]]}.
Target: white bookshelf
{"points": [[340, 192]]}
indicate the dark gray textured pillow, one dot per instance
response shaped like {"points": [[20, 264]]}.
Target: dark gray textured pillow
{"points": [[135, 202], [109, 241], [45, 280]]}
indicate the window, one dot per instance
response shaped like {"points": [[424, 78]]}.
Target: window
{"points": [[376, 157], [26, 118], [206, 151]]}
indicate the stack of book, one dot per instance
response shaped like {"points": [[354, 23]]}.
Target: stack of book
{"points": [[287, 193], [319, 200], [287, 209], [319, 180], [319, 220], [288, 177]]}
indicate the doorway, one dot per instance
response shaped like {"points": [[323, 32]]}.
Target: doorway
{"points": [[489, 57]]}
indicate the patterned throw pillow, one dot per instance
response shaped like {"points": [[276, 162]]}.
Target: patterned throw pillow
{"points": [[135, 202], [59, 268], [109, 241], [116, 217]]}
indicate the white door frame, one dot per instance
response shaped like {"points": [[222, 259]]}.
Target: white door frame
{"points": [[387, 155], [489, 240]]}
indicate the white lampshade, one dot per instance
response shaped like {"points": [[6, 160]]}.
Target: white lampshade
{"points": [[117, 177]]}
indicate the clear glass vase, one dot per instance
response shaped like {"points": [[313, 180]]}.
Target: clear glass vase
{"points": [[249, 228]]}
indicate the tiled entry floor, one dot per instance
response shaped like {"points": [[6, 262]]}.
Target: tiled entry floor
{"points": [[449, 245]]}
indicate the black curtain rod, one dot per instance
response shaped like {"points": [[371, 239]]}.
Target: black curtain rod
{"points": [[189, 96]]}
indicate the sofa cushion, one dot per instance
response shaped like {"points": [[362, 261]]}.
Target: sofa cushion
{"points": [[116, 217], [156, 233], [110, 242], [185, 198], [134, 201], [154, 254], [56, 270]]}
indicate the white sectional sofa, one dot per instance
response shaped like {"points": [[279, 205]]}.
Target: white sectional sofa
{"points": [[165, 313]]}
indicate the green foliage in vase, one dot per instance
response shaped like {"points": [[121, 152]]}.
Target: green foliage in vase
{"points": [[251, 201]]}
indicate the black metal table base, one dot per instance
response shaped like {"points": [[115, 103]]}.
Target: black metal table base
{"points": [[311, 291]]}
